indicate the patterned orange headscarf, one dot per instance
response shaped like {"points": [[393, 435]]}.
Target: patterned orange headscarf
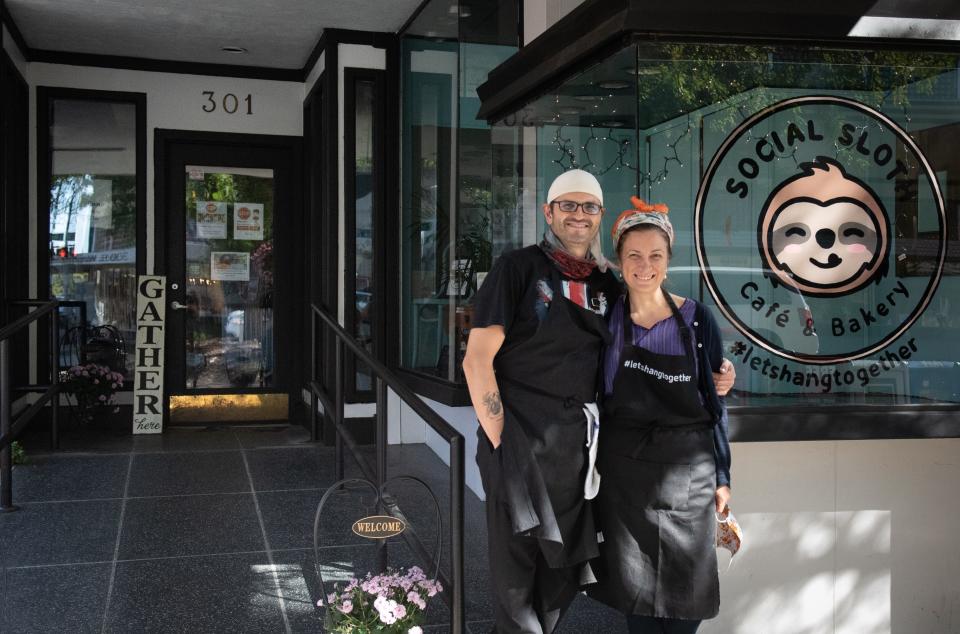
{"points": [[643, 213]]}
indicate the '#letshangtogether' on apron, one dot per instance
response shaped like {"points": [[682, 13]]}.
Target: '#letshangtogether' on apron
{"points": [[656, 504]]}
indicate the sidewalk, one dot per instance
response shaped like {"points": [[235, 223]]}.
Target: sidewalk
{"points": [[207, 530]]}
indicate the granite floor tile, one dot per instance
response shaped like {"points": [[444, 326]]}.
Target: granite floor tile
{"points": [[59, 533], [273, 436], [192, 525], [73, 439], [188, 473], [51, 600], [289, 517], [190, 588], [210, 438], [291, 468], [227, 593], [69, 477]]}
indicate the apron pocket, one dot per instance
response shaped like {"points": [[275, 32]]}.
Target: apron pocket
{"points": [[643, 484]]}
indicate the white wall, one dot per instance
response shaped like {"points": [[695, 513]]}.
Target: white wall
{"points": [[857, 537], [539, 15], [314, 74]]}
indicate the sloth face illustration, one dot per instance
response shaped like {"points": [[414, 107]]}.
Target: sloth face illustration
{"points": [[824, 233]]}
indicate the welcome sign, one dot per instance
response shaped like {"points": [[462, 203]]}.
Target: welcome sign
{"points": [[799, 220], [148, 372]]}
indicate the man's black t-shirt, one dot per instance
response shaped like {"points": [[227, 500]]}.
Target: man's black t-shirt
{"points": [[517, 293]]}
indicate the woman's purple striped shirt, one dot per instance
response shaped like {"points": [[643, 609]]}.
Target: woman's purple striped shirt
{"points": [[663, 338]]}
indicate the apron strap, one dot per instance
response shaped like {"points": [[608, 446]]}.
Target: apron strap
{"points": [[685, 335]]}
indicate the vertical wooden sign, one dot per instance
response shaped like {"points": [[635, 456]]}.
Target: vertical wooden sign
{"points": [[148, 372]]}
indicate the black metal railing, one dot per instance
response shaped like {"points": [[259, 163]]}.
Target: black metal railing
{"points": [[333, 407], [50, 393]]}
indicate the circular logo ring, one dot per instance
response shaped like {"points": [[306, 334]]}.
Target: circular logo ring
{"points": [[704, 262]]}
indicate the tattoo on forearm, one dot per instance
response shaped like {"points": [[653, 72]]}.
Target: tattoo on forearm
{"points": [[492, 402]]}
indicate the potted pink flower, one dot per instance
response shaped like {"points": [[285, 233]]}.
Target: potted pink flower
{"points": [[92, 386], [391, 603]]}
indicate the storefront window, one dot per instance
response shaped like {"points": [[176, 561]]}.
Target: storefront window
{"points": [[461, 197], [93, 220], [815, 194]]}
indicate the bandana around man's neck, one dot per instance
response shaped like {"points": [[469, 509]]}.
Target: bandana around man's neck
{"points": [[570, 265]]}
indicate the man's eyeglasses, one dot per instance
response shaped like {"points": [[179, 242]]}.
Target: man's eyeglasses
{"points": [[569, 207]]}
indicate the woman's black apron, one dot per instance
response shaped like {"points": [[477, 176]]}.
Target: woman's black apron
{"points": [[539, 469], [656, 504]]}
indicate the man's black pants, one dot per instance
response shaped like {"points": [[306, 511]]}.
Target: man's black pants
{"points": [[529, 596]]}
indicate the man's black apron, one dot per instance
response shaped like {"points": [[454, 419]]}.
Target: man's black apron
{"points": [[538, 471], [656, 504]]}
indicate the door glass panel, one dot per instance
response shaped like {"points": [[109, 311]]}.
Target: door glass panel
{"points": [[363, 240], [93, 223], [229, 278]]}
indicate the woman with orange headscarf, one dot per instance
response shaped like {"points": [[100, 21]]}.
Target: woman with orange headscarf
{"points": [[664, 457]]}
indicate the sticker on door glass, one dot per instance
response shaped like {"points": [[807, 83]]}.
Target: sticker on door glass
{"points": [[230, 266], [211, 220], [247, 221], [820, 226]]}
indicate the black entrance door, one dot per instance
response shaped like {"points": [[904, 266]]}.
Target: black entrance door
{"points": [[229, 240]]}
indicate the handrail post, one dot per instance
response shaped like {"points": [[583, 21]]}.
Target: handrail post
{"points": [[457, 613], [6, 454], [55, 378], [338, 392], [314, 431], [381, 431], [381, 458]]}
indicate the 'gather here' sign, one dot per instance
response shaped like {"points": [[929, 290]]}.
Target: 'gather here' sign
{"points": [[148, 373]]}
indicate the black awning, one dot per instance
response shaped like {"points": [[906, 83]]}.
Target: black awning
{"points": [[598, 28]]}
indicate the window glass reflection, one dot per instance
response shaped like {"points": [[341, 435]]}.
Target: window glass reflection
{"points": [[461, 194], [93, 226], [815, 197], [229, 278]]}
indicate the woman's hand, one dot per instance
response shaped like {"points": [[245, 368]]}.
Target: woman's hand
{"points": [[723, 380], [723, 496]]}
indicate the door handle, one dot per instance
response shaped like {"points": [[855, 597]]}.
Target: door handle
{"points": [[175, 305]]}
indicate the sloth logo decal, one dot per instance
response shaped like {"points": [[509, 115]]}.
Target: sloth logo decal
{"points": [[825, 198], [823, 231]]}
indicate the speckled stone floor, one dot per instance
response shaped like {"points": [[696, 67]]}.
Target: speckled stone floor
{"points": [[211, 530]]}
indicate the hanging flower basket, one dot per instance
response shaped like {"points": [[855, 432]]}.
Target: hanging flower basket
{"points": [[388, 603]]}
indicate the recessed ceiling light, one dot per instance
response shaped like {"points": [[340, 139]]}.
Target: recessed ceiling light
{"points": [[237, 50], [570, 110], [462, 10], [610, 124], [587, 97], [613, 84]]}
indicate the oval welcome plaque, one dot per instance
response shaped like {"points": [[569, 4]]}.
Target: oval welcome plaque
{"points": [[379, 527]]}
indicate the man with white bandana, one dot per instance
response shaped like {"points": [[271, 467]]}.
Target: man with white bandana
{"points": [[532, 365]]}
